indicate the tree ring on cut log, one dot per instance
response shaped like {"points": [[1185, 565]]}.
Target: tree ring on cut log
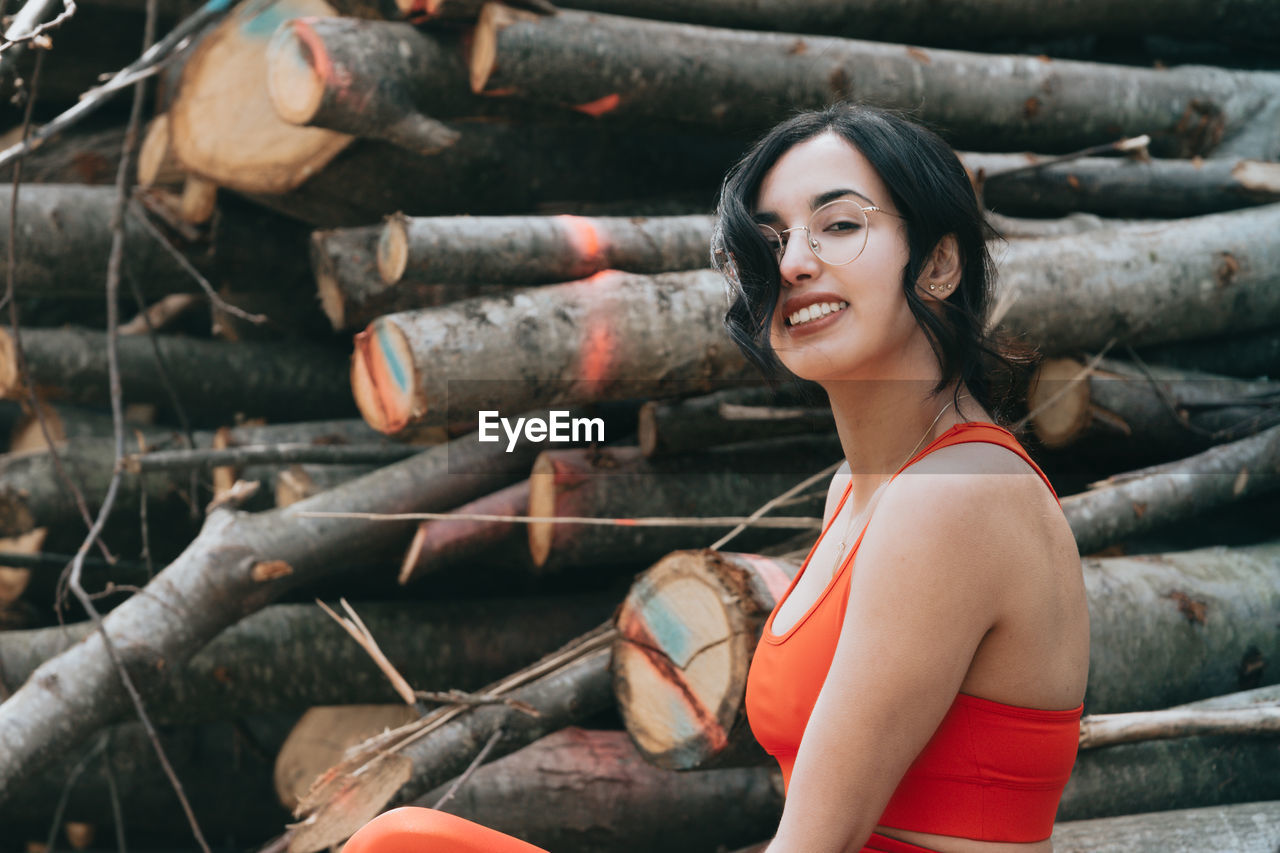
{"points": [[1059, 410], [293, 81], [680, 663], [393, 249], [383, 377], [542, 504]]}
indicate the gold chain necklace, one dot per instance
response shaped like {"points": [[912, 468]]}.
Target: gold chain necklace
{"points": [[849, 528]]}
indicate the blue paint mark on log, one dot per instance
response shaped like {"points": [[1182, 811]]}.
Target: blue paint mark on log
{"points": [[391, 360], [263, 18], [669, 633]]}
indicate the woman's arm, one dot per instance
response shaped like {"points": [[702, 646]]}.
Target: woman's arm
{"points": [[925, 590]]}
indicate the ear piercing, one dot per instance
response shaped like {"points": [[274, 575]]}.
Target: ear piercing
{"points": [[944, 288]]}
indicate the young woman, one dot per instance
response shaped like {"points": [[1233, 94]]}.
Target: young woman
{"points": [[925, 696]]}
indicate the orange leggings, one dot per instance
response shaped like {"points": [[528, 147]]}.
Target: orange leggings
{"points": [[417, 830]]}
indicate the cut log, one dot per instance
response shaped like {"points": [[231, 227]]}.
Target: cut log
{"points": [[523, 250], [222, 125], [565, 688], [277, 380], [1010, 227], [734, 79], [322, 736], [213, 584], [923, 22], [375, 79], [443, 546], [299, 482], [70, 423], [421, 11], [157, 164], [1164, 629], [1161, 412], [1244, 828], [506, 167], [590, 791], [1189, 278], [619, 482], [731, 415], [1136, 502], [352, 292], [608, 337], [1119, 187], [289, 657], [1248, 355]]}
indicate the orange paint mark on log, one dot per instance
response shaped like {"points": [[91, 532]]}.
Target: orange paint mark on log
{"points": [[625, 522], [774, 578], [600, 106], [501, 93], [919, 55], [269, 570], [317, 57], [596, 358], [584, 237]]}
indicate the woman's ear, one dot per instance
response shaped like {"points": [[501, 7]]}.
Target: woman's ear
{"points": [[941, 273]]}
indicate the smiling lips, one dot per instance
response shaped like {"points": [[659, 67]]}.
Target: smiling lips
{"points": [[815, 312]]}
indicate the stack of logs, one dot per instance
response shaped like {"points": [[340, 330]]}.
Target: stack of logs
{"points": [[439, 208]]}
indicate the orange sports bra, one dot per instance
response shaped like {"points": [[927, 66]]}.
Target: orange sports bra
{"points": [[991, 771]]}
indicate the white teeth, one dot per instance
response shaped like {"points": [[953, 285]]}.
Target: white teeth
{"points": [[813, 312]]}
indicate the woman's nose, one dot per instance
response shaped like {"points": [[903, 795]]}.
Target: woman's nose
{"points": [[798, 262]]}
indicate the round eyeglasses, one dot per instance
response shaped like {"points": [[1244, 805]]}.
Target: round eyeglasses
{"points": [[836, 232]]}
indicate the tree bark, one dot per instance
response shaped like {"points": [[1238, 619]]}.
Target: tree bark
{"points": [[375, 79], [1139, 501], [612, 336], [212, 585], [299, 482], [525, 250], [1121, 187], [746, 413], [590, 791], [1251, 827], [289, 657], [1248, 355], [275, 380], [733, 79], [443, 546], [960, 23], [1164, 629], [352, 293], [222, 125], [567, 694], [1117, 408], [1144, 285], [501, 166], [619, 482]]}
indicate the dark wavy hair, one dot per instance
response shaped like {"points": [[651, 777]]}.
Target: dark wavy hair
{"points": [[931, 190]]}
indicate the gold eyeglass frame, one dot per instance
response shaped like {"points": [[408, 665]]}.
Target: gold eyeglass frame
{"points": [[813, 243]]}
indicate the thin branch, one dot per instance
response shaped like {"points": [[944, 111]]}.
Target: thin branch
{"points": [[471, 768], [72, 777], [756, 518], [1136, 143], [1080, 375], [50, 560], [364, 638], [117, 812], [23, 20], [258, 454], [1098, 730], [114, 263], [139, 215], [711, 521], [461, 697]]}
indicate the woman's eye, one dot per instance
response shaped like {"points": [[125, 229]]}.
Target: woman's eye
{"points": [[844, 226]]}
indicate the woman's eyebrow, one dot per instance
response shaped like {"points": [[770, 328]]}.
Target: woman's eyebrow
{"points": [[768, 216]]}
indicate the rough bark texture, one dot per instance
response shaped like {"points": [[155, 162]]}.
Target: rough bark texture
{"points": [[646, 70], [521, 250], [1112, 186], [621, 483], [506, 167], [745, 413], [1244, 828], [1249, 355], [352, 292], [212, 585], [608, 337], [375, 79], [299, 482], [1139, 501], [959, 23], [1189, 278], [275, 380], [445, 546], [590, 791], [1146, 412], [289, 657]]}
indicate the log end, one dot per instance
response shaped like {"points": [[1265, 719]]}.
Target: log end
{"points": [[647, 429], [293, 484], [10, 379], [383, 378], [296, 70], [328, 288], [199, 200], [1059, 402], [393, 248], [680, 662], [156, 164], [542, 504], [413, 556], [484, 44]]}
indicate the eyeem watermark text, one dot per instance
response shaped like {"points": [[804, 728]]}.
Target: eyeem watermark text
{"points": [[559, 427]]}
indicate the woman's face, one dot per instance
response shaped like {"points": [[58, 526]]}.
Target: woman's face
{"points": [[873, 333]]}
